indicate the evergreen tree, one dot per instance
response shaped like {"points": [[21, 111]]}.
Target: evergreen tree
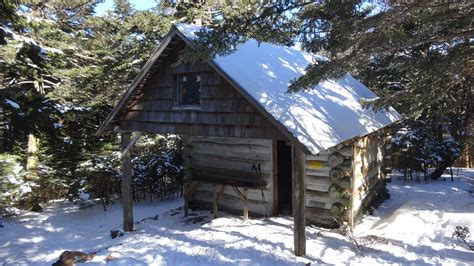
{"points": [[62, 70]]}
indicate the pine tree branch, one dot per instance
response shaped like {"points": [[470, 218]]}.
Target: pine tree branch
{"points": [[448, 37]]}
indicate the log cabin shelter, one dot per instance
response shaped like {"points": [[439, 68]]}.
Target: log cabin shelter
{"points": [[251, 147]]}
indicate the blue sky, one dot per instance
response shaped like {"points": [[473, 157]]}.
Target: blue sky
{"points": [[138, 4]]}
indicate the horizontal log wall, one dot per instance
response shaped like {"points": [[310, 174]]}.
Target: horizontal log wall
{"points": [[371, 157], [223, 111], [328, 185], [230, 159]]}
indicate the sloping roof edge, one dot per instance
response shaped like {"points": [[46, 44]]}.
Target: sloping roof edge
{"points": [[146, 68], [140, 76], [249, 98]]}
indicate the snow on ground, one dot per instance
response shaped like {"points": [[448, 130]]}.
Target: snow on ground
{"points": [[413, 227]]}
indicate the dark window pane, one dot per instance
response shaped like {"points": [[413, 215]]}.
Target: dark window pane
{"points": [[190, 89]]}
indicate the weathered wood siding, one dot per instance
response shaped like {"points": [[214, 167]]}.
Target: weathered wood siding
{"points": [[343, 181], [223, 111], [230, 159], [371, 157], [328, 195]]}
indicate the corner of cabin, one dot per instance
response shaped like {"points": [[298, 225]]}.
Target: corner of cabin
{"points": [[346, 180]]}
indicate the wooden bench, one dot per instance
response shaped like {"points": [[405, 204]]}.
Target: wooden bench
{"points": [[192, 184]]}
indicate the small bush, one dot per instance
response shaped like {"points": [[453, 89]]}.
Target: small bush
{"points": [[462, 234], [13, 185]]}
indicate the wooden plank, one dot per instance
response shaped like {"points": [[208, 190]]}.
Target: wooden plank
{"points": [[199, 129], [253, 194], [274, 178], [246, 204], [345, 151], [248, 151], [188, 192], [191, 68], [186, 200], [151, 104], [299, 202], [321, 199], [324, 172], [222, 163], [191, 189], [223, 187], [232, 203], [127, 197], [321, 184], [214, 201], [317, 157], [319, 216], [232, 141], [220, 173], [212, 78], [261, 158]]}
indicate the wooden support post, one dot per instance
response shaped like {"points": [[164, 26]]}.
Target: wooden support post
{"points": [[246, 204], [214, 201], [127, 198], [188, 192], [221, 192], [274, 178], [131, 143], [186, 199], [245, 199], [299, 203]]}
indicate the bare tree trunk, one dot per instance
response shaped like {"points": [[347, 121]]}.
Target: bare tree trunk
{"points": [[440, 168], [32, 158], [3, 130], [32, 203], [127, 197]]}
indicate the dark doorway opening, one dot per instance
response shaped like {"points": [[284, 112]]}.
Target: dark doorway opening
{"points": [[284, 178]]}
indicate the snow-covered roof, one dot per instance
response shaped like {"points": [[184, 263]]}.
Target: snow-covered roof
{"points": [[321, 118]]}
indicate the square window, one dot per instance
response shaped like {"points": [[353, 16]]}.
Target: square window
{"points": [[188, 89]]}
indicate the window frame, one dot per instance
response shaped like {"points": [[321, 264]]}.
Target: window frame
{"points": [[178, 87]]}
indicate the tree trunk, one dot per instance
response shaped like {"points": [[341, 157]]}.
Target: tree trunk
{"points": [[32, 202], [32, 158], [440, 168], [127, 199], [3, 130]]}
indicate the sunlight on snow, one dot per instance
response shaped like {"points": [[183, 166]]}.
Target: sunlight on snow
{"points": [[413, 227]]}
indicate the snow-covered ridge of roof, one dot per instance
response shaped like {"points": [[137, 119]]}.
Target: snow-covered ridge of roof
{"points": [[321, 118]]}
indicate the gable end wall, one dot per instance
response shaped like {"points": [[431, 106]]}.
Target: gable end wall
{"points": [[223, 111]]}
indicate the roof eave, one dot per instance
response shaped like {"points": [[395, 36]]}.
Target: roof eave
{"points": [[143, 72]]}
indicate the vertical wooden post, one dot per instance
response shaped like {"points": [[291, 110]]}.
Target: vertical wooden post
{"points": [[214, 201], [186, 199], [127, 199], [246, 204], [274, 178], [298, 202]]}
